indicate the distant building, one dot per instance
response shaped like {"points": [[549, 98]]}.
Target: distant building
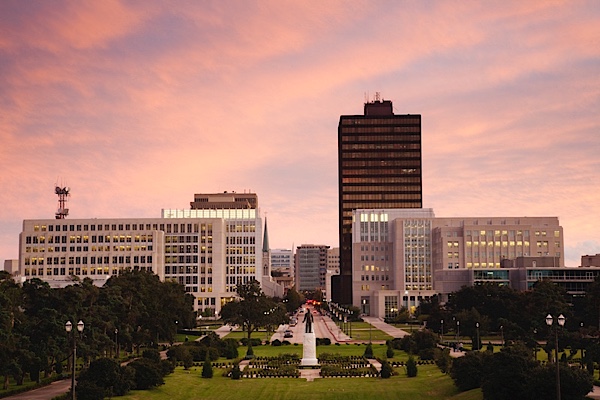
{"points": [[333, 269], [590, 261], [403, 256], [208, 250], [311, 267], [379, 167], [282, 261], [12, 267]]}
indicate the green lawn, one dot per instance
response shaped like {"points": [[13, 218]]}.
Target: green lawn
{"points": [[188, 385], [364, 331]]}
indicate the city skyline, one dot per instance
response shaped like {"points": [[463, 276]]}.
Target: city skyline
{"points": [[137, 106]]}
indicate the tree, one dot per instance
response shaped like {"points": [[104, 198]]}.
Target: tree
{"points": [[293, 300], [252, 310], [148, 374], [506, 374], [468, 371], [104, 375], [207, 371]]}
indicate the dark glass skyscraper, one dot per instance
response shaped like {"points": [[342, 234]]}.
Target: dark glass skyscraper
{"points": [[379, 166]]}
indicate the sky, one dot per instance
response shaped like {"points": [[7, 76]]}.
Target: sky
{"points": [[137, 105]]}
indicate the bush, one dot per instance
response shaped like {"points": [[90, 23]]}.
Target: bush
{"points": [[443, 360], [368, 351], [236, 373], [389, 353], [250, 352], [468, 371], [151, 354], [411, 367], [427, 354], [108, 375], [386, 370], [253, 341], [276, 342], [148, 374], [323, 341], [207, 371]]}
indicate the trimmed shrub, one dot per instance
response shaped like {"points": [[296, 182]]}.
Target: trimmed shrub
{"points": [[236, 373], [207, 371], [411, 367], [368, 351], [386, 370]]}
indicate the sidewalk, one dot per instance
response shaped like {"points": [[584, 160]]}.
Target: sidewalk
{"points": [[384, 327]]}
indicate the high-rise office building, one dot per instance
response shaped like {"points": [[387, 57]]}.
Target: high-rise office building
{"points": [[311, 267], [379, 166]]}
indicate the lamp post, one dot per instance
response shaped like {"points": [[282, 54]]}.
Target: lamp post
{"points": [[442, 336], [561, 321], [116, 343], [477, 327], [69, 328], [535, 344], [502, 335], [457, 332]]}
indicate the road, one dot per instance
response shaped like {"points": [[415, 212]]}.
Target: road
{"points": [[323, 327]]}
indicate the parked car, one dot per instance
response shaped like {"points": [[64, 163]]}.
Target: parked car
{"points": [[288, 334]]}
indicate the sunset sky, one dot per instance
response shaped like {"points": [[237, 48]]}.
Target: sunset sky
{"points": [[137, 105]]}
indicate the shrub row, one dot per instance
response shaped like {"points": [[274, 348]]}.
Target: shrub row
{"points": [[336, 371]]}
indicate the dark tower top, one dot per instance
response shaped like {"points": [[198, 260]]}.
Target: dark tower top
{"points": [[383, 107]]}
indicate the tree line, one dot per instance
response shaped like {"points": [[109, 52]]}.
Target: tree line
{"points": [[131, 311]]}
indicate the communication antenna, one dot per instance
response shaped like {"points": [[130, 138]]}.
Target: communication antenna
{"points": [[63, 195], [378, 96]]}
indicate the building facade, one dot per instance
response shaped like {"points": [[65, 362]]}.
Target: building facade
{"points": [[311, 267], [379, 167], [403, 256], [282, 261], [208, 250]]}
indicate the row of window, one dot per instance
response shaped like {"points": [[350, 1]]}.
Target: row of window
{"points": [[84, 260], [169, 228], [380, 180], [86, 239], [375, 277], [40, 249], [382, 146], [83, 270], [511, 233]]}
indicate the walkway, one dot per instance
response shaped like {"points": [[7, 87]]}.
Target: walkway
{"points": [[386, 328]]}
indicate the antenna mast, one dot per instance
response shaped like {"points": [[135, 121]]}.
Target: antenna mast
{"points": [[63, 194]]}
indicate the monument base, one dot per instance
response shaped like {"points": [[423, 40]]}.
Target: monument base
{"points": [[309, 353]]}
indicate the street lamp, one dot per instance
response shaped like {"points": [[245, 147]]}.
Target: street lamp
{"points": [[457, 332], [69, 328], [117, 343], [535, 343], [477, 326], [502, 335], [442, 323], [561, 321]]}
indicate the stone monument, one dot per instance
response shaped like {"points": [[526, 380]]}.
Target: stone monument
{"points": [[309, 354]]}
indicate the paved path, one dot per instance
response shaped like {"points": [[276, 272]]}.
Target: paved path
{"points": [[595, 393], [387, 328], [44, 393]]}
